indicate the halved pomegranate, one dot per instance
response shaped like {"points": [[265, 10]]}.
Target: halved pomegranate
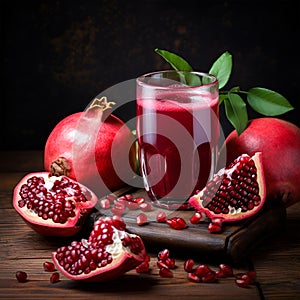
{"points": [[51, 205], [108, 253], [235, 193]]}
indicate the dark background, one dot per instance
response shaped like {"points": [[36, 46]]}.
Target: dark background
{"points": [[58, 55]]}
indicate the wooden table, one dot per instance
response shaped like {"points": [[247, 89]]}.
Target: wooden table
{"points": [[276, 260]]}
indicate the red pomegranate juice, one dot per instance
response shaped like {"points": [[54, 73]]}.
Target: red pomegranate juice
{"points": [[178, 142]]}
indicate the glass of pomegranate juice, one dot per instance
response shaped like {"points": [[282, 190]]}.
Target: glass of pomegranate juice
{"points": [[178, 131]]}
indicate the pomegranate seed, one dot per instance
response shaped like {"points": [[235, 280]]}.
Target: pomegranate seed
{"points": [[252, 276], [161, 264], [220, 274], [195, 218], [143, 267], [176, 223], [243, 283], [139, 200], [161, 217], [141, 219], [202, 270], [147, 258], [165, 272], [133, 205], [145, 206], [170, 262], [188, 265], [163, 254], [193, 277], [226, 270], [209, 277], [49, 266], [214, 228], [105, 203], [118, 222], [54, 277], [21, 276]]}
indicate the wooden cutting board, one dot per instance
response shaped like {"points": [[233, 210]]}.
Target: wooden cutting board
{"points": [[236, 241]]}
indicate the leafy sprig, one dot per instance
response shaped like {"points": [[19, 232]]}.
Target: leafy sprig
{"points": [[262, 100]]}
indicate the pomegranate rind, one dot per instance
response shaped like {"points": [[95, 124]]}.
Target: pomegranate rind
{"points": [[48, 227], [196, 200]]}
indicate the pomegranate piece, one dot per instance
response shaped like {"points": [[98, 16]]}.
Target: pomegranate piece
{"points": [[166, 273], [163, 254], [51, 205], [161, 217], [108, 253], [202, 270], [49, 266], [195, 218], [193, 277], [226, 270], [235, 193], [279, 141], [176, 223], [54, 278], [141, 219], [144, 267], [189, 265], [209, 277], [21, 276]]}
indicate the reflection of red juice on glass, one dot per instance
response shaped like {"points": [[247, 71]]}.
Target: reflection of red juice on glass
{"points": [[178, 139]]}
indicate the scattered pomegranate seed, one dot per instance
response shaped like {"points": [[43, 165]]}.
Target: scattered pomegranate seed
{"points": [[189, 265], [165, 272], [177, 223], [226, 270], [145, 206], [143, 267], [133, 205], [21, 276], [209, 277], [105, 203], [195, 218], [214, 228], [202, 270], [139, 200], [49, 266], [170, 262], [161, 264], [243, 283], [161, 217], [54, 277], [141, 219], [163, 254], [193, 277]]}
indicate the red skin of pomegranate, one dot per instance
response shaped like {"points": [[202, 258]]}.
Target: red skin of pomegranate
{"points": [[279, 142], [92, 163], [48, 227]]}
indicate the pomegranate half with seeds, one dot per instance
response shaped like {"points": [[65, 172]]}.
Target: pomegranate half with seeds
{"points": [[235, 193], [51, 205], [108, 253]]}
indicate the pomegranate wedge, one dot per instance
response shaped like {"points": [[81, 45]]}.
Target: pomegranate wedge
{"points": [[236, 192], [51, 205]]}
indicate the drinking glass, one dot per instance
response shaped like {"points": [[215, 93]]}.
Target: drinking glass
{"points": [[178, 131]]}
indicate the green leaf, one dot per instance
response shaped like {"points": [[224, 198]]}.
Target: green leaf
{"points": [[180, 64], [222, 68], [177, 62], [268, 102], [236, 112]]}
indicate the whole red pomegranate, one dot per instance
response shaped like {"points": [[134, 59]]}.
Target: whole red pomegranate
{"points": [[279, 142], [93, 147]]}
